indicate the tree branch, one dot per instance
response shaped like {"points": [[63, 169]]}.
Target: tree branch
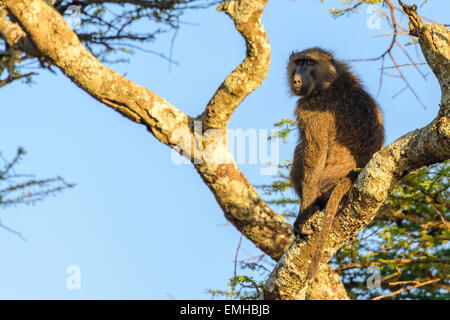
{"points": [[249, 75], [48, 31], [15, 36]]}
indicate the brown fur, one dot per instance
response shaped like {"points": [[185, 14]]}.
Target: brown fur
{"points": [[340, 129]]}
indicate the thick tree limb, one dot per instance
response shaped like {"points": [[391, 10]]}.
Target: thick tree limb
{"points": [[418, 148], [15, 36], [49, 33]]}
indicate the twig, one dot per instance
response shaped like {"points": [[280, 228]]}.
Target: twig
{"points": [[406, 81], [17, 233], [406, 289], [236, 256], [404, 65]]}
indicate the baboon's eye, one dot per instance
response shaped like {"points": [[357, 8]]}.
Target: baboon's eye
{"points": [[298, 62], [310, 62]]}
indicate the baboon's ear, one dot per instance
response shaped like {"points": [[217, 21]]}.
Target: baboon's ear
{"points": [[330, 57]]}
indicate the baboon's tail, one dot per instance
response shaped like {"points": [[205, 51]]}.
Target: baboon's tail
{"points": [[330, 211]]}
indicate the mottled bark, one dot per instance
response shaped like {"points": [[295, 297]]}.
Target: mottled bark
{"points": [[42, 32], [15, 36], [327, 285], [418, 148]]}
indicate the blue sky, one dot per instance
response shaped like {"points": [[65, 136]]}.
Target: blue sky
{"points": [[137, 225]]}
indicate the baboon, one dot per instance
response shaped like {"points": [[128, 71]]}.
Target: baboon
{"points": [[340, 128]]}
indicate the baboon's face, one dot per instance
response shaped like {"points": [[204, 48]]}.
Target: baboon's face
{"points": [[310, 71]]}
